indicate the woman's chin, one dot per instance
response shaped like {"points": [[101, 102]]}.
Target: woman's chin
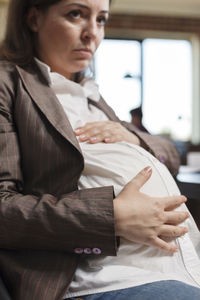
{"points": [[82, 65]]}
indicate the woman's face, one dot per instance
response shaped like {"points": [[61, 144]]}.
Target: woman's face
{"points": [[68, 33]]}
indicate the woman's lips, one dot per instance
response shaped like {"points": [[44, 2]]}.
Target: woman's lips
{"points": [[84, 52]]}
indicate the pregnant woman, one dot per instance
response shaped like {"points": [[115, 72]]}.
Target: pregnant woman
{"points": [[73, 222]]}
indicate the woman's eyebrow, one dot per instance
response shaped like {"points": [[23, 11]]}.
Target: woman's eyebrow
{"points": [[85, 6]]}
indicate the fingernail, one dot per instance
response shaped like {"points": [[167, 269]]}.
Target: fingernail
{"points": [[93, 139], [107, 140], [78, 130], [148, 170], [183, 198], [82, 136]]}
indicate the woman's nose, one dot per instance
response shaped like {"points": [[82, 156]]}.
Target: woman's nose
{"points": [[90, 32]]}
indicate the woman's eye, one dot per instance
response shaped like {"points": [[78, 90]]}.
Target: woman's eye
{"points": [[75, 14], [102, 20]]}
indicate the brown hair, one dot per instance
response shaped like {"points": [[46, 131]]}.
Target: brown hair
{"points": [[18, 44]]}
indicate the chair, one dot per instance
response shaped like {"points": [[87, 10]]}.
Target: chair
{"points": [[3, 291]]}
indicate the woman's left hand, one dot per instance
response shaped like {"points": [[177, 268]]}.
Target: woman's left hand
{"points": [[107, 132]]}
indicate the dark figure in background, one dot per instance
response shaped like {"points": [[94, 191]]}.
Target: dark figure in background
{"points": [[136, 118]]}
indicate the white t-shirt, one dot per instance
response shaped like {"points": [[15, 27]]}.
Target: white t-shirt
{"points": [[116, 164]]}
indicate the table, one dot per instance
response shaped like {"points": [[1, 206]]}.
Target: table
{"points": [[189, 185]]}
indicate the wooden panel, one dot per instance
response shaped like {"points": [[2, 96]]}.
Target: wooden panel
{"points": [[153, 23]]}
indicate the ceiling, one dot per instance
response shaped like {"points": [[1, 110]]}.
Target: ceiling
{"points": [[182, 8]]}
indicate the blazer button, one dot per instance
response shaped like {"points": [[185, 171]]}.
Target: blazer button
{"points": [[162, 159], [87, 251], [78, 250], [96, 251]]}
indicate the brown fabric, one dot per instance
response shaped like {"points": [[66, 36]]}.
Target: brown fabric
{"points": [[160, 147], [43, 217]]}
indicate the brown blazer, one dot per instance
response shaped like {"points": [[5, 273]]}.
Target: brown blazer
{"points": [[43, 217]]}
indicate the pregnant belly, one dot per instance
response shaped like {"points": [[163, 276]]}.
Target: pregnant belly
{"points": [[116, 164]]}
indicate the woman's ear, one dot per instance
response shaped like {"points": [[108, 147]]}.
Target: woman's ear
{"points": [[33, 19]]}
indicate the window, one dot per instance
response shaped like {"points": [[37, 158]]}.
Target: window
{"points": [[118, 73], [154, 73], [167, 74]]}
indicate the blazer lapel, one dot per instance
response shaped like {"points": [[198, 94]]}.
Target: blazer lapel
{"points": [[38, 89], [101, 104]]}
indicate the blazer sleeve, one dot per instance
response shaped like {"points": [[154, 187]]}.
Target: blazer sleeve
{"points": [[80, 219]]}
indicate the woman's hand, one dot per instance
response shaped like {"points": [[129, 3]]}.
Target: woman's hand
{"points": [[107, 132], [146, 220]]}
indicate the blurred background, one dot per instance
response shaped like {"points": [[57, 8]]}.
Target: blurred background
{"points": [[148, 67], [152, 56]]}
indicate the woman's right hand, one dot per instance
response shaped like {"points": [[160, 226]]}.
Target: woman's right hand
{"points": [[146, 220]]}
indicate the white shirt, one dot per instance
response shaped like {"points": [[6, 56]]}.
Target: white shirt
{"points": [[115, 164]]}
